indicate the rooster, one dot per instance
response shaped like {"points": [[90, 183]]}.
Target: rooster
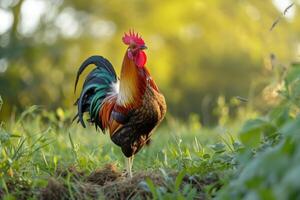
{"points": [[129, 107]]}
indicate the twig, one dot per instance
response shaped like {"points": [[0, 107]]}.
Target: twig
{"points": [[242, 99], [275, 23], [287, 8], [280, 17]]}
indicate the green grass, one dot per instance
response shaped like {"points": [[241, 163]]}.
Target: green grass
{"points": [[37, 144], [252, 157]]}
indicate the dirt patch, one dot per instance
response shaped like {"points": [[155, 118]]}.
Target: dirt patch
{"points": [[102, 176], [126, 188], [55, 190], [109, 183]]}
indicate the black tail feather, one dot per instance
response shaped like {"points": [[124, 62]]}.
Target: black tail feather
{"points": [[93, 82], [98, 61]]}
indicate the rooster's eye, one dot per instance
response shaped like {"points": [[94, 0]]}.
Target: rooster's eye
{"points": [[133, 47]]}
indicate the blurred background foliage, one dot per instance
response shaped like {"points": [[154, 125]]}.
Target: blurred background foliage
{"points": [[201, 53]]}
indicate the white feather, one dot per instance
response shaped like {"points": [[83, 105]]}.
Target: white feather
{"points": [[115, 87]]}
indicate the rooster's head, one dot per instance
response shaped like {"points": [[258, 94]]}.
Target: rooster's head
{"points": [[136, 45]]}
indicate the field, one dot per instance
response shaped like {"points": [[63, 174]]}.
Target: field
{"points": [[254, 156], [42, 151], [229, 71]]}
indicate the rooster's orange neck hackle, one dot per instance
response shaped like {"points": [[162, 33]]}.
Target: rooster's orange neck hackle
{"points": [[132, 82]]}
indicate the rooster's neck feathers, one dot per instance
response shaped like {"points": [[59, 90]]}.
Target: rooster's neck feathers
{"points": [[132, 84]]}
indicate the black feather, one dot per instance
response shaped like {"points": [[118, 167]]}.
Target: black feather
{"points": [[95, 88], [98, 61]]}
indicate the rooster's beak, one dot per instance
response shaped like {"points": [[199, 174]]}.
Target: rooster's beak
{"points": [[143, 47]]}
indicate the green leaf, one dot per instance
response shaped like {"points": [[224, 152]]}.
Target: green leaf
{"points": [[293, 74], [219, 147], [152, 188], [250, 134], [179, 179], [206, 156], [237, 146], [280, 115], [291, 128]]}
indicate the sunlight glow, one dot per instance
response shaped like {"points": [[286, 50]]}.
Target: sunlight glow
{"points": [[102, 28], [3, 65], [31, 13], [67, 23], [6, 21]]}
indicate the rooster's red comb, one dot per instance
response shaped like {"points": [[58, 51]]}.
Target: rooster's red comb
{"points": [[132, 38]]}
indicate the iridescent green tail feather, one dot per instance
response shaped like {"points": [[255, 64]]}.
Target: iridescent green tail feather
{"points": [[97, 85]]}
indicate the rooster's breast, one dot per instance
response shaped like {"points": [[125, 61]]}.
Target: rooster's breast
{"points": [[143, 120]]}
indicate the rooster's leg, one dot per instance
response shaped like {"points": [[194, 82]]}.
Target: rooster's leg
{"points": [[129, 162], [128, 167]]}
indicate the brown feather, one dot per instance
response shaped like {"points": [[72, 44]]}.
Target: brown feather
{"points": [[136, 111], [106, 109]]}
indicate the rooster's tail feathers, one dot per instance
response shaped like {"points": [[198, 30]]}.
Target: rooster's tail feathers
{"points": [[97, 86]]}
